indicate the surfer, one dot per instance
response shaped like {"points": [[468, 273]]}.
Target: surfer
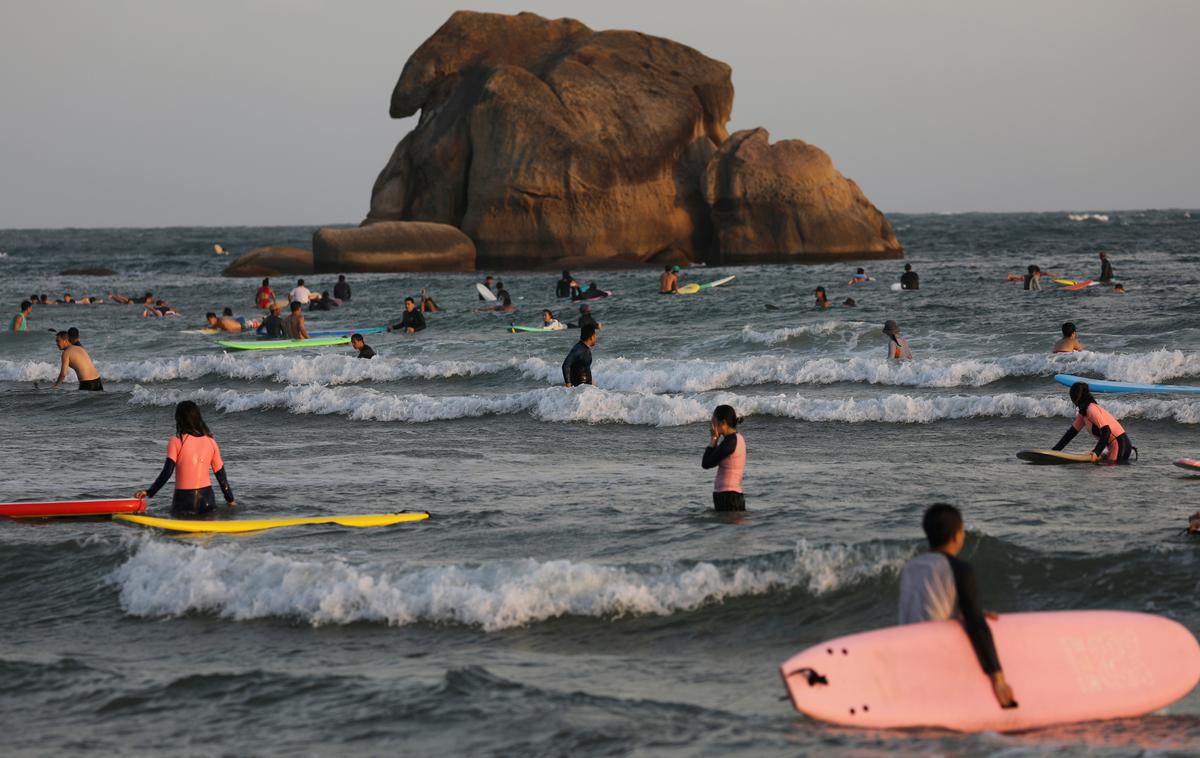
{"points": [[264, 296], [1106, 269], [1112, 443], [20, 322], [427, 303], [1069, 342], [822, 300], [193, 488], [849, 303], [158, 310], [727, 452], [341, 290], [358, 343], [668, 281], [300, 293], [503, 304], [74, 357], [577, 368], [549, 322], [325, 303], [1033, 279], [272, 326], [566, 286], [860, 277], [585, 319], [909, 279], [937, 586], [593, 292], [487, 283], [898, 349], [294, 323], [412, 321]]}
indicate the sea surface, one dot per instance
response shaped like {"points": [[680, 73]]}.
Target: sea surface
{"points": [[574, 593]]}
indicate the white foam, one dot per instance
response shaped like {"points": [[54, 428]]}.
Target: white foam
{"points": [[1088, 217], [167, 579], [820, 329]]}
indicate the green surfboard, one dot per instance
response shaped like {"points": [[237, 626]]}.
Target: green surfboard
{"points": [[282, 344]]}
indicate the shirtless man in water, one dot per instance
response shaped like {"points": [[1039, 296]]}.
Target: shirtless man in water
{"points": [[1069, 342], [75, 357]]}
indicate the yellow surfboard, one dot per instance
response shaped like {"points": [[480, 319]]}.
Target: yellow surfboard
{"points": [[237, 526]]}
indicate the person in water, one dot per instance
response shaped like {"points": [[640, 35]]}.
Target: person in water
{"points": [[849, 303], [585, 318], [325, 303], [272, 326], [1106, 269], [300, 293], [549, 322], [158, 310], [358, 343], [668, 281], [487, 283], [1069, 342], [341, 290], [577, 368], [821, 299], [224, 322], [565, 287], [939, 586], [264, 297], [593, 292], [412, 321], [73, 336], [860, 277], [20, 322], [726, 452], [1112, 443], [427, 303], [503, 303], [909, 279], [294, 323], [1033, 279], [191, 453], [1118, 289], [75, 358], [898, 349]]}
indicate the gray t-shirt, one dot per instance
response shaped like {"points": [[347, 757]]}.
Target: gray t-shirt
{"points": [[927, 590]]}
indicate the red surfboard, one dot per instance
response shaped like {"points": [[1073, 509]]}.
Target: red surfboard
{"points": [[1080, 286], [72, 508]]}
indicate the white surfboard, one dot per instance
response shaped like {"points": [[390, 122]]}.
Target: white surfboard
{"points": [[896, 287], [485, 293]]}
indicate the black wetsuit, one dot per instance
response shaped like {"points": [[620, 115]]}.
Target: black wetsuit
{"points": [[577, 368], [366, 351], [341, 290], [1106, 272], [191, 502], [411, 319], [584, 320], [272, 326], [910, 281], [973, 620], [563, 288], [324, 304]]}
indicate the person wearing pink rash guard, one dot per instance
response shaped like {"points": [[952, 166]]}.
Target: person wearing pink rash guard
{"points": [[191, 453], [726, 452]]}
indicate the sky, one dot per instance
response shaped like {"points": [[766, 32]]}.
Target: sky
{"points": [[265, 112]]}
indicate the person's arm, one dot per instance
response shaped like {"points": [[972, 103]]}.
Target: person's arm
{"points": [[224, 482], [978, 632], [1102, 438], [167, 469], [566, 367], [715, 453], [62, 374], [1076, 425]]}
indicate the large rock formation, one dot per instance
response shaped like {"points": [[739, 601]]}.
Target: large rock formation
{"points": [[273, 260], [395, 246], [545, 141]]}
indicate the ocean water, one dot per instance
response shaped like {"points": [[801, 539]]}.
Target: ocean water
{"points": [[574, 593]]}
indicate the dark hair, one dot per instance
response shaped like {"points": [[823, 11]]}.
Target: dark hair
{"points": [[547, 312], [849, 302], [73, 334], [266, 282], [566, 274], [586, 332], [908, 267], [189, 421], [861, 271], [341, 277], [26, 305], [1032, 268], [1081, 395], [726, 414], [489, 276], [410, 300], [299, 282], [1068, 329], [209, 315], [227, 312], [667, 267], [819, 290], [295, 306], [61, 336], [941, 522], [356, 337]]}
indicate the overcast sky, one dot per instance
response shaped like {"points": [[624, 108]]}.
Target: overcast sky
{"points": [[214, 112]]}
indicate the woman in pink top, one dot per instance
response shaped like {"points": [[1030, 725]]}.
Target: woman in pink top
{"points": [[191, 453], [729, 458], [1112, 443]]}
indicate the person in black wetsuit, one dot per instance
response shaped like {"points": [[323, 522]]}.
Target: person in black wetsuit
{"points": [[909, 279], [937, 586], [1106, 269], [326, 303], [585, 318], [272, 325], [341, 290], [565, 285], [358, 343], [412, 321], [577, 368]]}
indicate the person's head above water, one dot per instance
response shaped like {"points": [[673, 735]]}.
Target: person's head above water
{"points": [[341, 277], [849, 303], [819, 292], [908, 267], [266, 283], [73, 334], [1068, 329], [210, 317], [725, 419], [62, 340], [299, 282], [1081, 396], [547, 315], [891, 328], [295, 306], [566, 274], [275, 309], [943, 526], [488, 279], [189, 421], [357, 341], [227, 312], [667, 268], [409, 304], [1103, 256], [26, 306], [587, 334]]}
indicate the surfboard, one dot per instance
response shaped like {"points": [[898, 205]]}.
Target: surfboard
{"points": [[1103, 385], [238, 526], [1065, 282], [896, 286], [1079, 286], [1053, 457], [693, 288], [484, 292], [57, 508], [1063, 667], [1191, 464], [282, 344], [514, 329]]}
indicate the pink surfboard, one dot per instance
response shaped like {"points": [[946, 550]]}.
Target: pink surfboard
{"points": [[1079, 286], [1063, 667], [1189, 463]]}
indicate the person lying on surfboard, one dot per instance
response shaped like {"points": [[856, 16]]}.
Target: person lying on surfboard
{"points": [[820, 299], [1112, 443], [549, 322], [898, 349], [1069, 342], [860, 277], [938, 586], [191, 453], [593, 292]]}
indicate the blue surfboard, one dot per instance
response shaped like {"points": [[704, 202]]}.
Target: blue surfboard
{"points": [[1103, 385]]}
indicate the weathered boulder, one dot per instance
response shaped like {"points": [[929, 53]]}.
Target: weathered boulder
{"points": [[393, 246], [787, 202], [273, 260]]}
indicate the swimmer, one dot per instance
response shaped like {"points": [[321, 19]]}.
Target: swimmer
{"points": [[849, 303], [66, 300], [565, 287], [121, 299], [1118, 289], [1033, 279], [585, 318], [324, 303], [488, 283], [272, 326], [294, 323], [1112, 443], [822, 300], [668, 281], [549, 322], [158, 310], [341, 290], [20, 322], [898, 349], [1069, 342], [1106, 269], [427, 303], [300, 293], [75, 358], [412, 321], [939, 586], [89, 301], [909, 279], [577, 368], [191, 453], [726, 452], [264, 296], [364, 350], [593, 292], [45, 300], [73, 336], [504, 304], [860, 277]]}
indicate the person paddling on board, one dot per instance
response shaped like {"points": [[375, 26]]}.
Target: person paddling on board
{"points": [[364, 350], [412, 321], [1112, 443], [593, 292], [75, 358], [668, 281], [191, 453], [938, 586], [821, 299], [20, 322], [549, 322], [264, 296], [294, 324], [577, 368], [726, 452], [1106, 269], [1069, 342], [909, 279], [898, 349]]}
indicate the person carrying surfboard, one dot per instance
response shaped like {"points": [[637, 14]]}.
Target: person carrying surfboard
{"points": [[487, 283], [20, 322], [938, 586], [726, 452], [1069, 342], [577, 368], [1112, 442], [191, 453], [898, 349]]}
